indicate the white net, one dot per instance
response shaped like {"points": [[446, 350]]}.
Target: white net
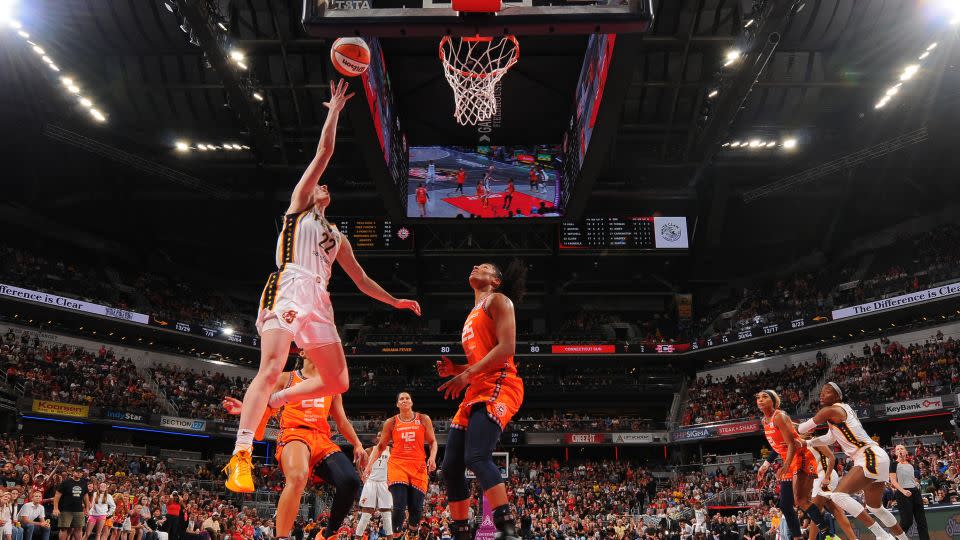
{"points": [[473, 67]]}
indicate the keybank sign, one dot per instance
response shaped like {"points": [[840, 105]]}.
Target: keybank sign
{"points": [[177, 422]]}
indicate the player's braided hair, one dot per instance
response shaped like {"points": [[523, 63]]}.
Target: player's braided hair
{"points": [[513, 280]]}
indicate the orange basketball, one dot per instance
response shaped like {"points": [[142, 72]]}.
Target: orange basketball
{"points": [[350, 56]]}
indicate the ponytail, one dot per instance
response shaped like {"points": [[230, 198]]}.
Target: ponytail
{"points": [[513, 280]]}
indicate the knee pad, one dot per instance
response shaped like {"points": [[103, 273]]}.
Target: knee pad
{"points": [[884, 516], [386, 521], [847, 503], [485, 470], [362, 524]]}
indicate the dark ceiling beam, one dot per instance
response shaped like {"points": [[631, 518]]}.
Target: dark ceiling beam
{"points": [[679, 81], [743, 78], [270, 45], [246, 108]]}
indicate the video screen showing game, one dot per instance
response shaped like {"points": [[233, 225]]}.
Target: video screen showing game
{"points": [[502, 182]]}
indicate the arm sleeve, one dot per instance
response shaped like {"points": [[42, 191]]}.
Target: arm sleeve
{"points": [[823, 440]]}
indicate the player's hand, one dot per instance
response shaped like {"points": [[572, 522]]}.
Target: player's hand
{"points": [[338, 96], [412, 305], [906, 492], [55, 513], [431, 465], [232, 405], [782, 474], [455, 386], [360, 458], [445, 367]]}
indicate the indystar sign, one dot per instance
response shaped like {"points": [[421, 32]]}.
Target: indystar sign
{"points": [[936, 293]]}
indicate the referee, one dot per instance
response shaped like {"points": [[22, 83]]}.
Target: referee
{"points": [[908, 494]]}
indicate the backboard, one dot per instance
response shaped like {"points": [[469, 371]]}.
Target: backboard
{"points": [[419, 18]]}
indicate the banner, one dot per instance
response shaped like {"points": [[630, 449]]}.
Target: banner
{"points": [[693, 434], [70, 303], [487, 530], [632, 438], [200, 330], [61, 409], [123, 416], [670, 232], [584, 438], [583, 349], [898, 301], [751, 332], [738, 428], [912, 406], [177, 422], [684, 306]]}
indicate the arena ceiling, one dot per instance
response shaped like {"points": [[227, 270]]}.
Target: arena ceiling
{"points": [[122, 178]]}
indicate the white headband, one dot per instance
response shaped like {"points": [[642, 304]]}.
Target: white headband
{"points": [[837, 388]]}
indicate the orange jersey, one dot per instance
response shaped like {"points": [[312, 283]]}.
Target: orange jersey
{"points": [[802, 459], [308, 413], [408, 439], [306, 422], [502, 389]]}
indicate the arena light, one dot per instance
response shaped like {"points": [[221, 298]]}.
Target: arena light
{"points": [[790, 144], [39, 50], [731, 56], [182, 146], [735, 144], [97, 115], [86, 102], [932, 46], [749, 23], [237, 55], [73, 89], [882, 103], [222, 26], [713, 93], [756, 143], [771, 144], [726, 144], [54, 67], [909, 72], [924, 55], [23, 34], [228, 331], [202, 147], [241, 65], [6, 10], [257, 96], [892, 91]]}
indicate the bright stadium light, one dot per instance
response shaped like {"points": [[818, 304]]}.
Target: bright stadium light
{"points": [[732, 56], [880, 104], [181, 146], [924, 55], [73, 89], [257, 96], [735, 144], [892, 91], [202, 147], [23, 34], [932, 46], [67, 81], [713, 93], [98, 115], [237, 55], [790, 144], [756, 143], [53, 67], [7, 10], [909, 72], [39, 50], [228, 331], [86, 102], [771, 144], [241, 65], [222, 26], [749, 23]]}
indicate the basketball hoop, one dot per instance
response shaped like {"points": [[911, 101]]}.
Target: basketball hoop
{"points": [[473, 66]]}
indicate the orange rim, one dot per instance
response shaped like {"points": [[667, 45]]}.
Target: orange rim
{"points": [[474, 75]]}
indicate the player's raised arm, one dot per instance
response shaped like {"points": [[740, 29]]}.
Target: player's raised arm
{"points": [[369, 287], [300, 199]]}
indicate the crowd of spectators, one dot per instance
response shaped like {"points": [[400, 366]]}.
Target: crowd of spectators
{"points": [[890, 371], [912, 264], [197, 394], [70, 374], [730, 398], [165, 298]]}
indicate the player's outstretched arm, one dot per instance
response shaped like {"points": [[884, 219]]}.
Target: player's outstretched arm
{"points": [[369, 287], [328, 138], [346, 429], [431, 439]]}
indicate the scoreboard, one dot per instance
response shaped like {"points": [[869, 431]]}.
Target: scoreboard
{"points": [[624, 233], [372, 234]]}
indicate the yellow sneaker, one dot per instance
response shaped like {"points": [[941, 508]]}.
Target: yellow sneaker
{"points": [[239, 479]]}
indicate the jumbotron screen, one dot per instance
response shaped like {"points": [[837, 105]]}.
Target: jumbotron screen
{"points": [[504, 182]]}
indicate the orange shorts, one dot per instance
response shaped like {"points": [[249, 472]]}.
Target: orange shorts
{"points": [[502, 402], [410, 472], [319, 444], [804, 462]]}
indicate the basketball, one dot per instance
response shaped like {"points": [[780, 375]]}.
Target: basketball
{"points": [[350, 56]]}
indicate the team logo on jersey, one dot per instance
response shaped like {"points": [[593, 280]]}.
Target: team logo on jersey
{"points": [[289, 316], [500, 409]]}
